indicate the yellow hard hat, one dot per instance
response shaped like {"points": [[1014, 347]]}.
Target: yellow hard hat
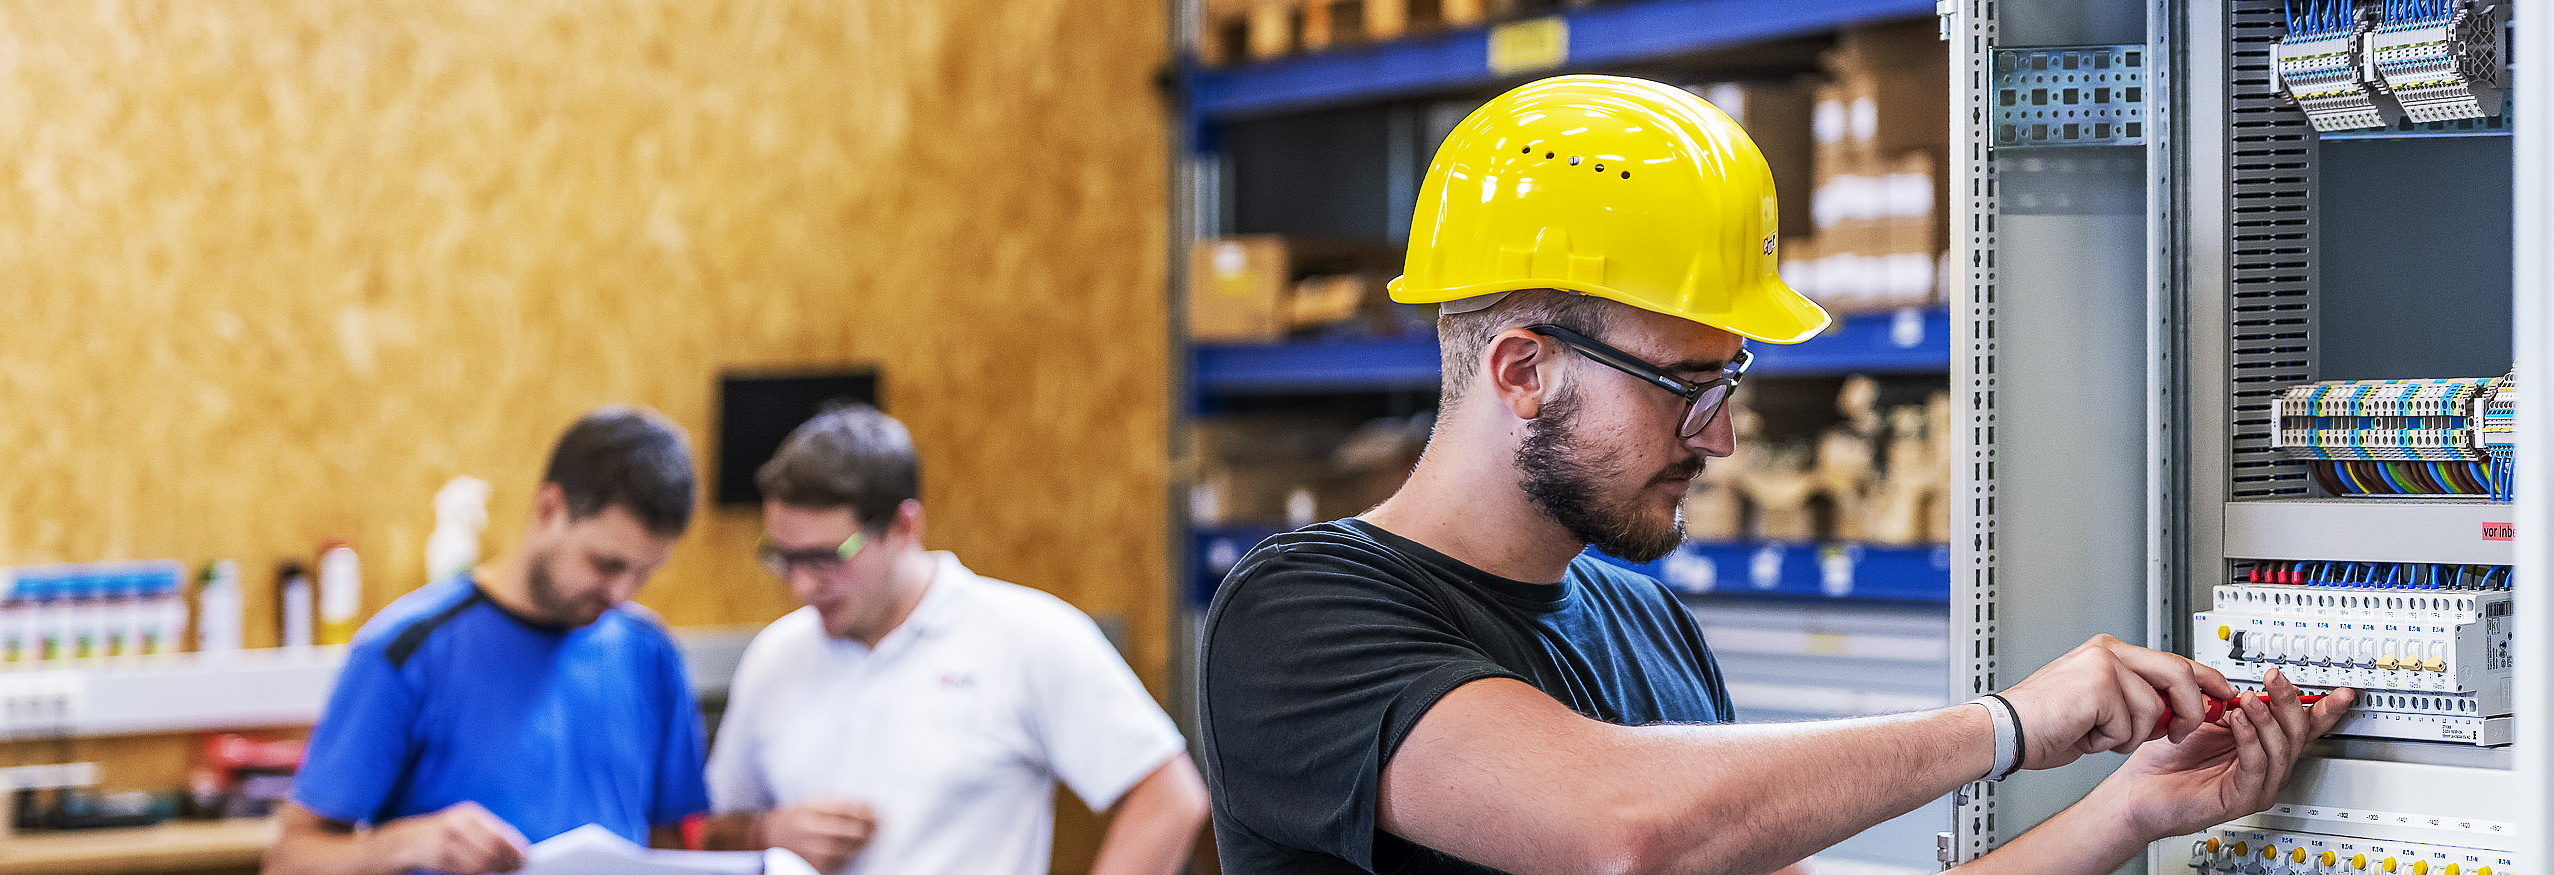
{"points": [[1602, 185]]}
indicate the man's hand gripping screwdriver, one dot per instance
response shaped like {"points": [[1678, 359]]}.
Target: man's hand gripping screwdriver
{"points": [[2218, 707]]}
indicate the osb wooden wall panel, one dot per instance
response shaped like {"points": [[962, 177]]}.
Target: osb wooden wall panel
{"points": [[271, 272]]}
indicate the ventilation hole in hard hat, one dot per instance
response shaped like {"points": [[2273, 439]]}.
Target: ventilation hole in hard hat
{"points": [[1627, 174], [1547, 156], [1574, 161], [1600, 168], [1525, 150]]}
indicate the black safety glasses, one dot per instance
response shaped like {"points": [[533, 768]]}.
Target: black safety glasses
{"points": [[1703, 401]]}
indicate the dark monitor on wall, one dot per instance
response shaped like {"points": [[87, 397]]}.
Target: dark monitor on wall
{"points": [[756, 411]]}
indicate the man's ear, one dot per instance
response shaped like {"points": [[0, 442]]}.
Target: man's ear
{"points": [[906, 524], [1518, 363], [549, 506]]}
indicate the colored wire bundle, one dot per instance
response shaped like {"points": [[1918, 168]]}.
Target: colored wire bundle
{"points": [[2380, 575], [2322, 17], [2413, 11], [2403, 438], [2366, 477]]}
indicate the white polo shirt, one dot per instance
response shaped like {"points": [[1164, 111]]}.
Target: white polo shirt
{"points": [[954, 729]]}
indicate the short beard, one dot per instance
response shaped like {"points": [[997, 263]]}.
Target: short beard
{"points": [[543, 590], [1564, 487]]}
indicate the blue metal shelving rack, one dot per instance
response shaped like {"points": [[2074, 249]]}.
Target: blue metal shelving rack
{"points": [[1907, 342], [1599, 36], [1759, 570], [1904, 342]]}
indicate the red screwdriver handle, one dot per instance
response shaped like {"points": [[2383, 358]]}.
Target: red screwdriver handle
{"points": [[2218, 707]]}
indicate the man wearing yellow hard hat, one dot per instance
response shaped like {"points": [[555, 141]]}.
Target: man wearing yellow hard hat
{"points": [[1446, 684]]}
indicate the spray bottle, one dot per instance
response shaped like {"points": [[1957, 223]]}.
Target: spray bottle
{"points": [[341, 593], [461, 512], [218, 618]]}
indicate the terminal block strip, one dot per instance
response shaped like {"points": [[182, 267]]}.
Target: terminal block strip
{"points": [[2403, 438], [2232, 850], [2356, 64], [2440, 60]]}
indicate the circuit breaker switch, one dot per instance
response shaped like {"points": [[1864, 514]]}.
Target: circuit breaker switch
{"points": [[2434, 664], [2386, 661], [2388, 865], [2358, 862], [2420, 867], [2225, 633]]}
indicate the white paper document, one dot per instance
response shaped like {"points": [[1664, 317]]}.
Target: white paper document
{"points": [[594, 850]]}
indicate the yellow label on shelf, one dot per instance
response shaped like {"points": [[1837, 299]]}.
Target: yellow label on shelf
{"points": [[1826, 644], [1529, 45]]}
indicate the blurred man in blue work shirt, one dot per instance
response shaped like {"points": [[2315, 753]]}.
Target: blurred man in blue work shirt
{"points": [[524, 698]]}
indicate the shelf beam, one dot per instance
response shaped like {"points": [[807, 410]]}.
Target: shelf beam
{"points": [[1904, 342], [1599, 36]]}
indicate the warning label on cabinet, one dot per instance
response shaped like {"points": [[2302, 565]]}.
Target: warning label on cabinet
{"points": [[2499, 531]]}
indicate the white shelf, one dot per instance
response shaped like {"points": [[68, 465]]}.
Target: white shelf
{"points": [[2370, 530], [249, 689]]}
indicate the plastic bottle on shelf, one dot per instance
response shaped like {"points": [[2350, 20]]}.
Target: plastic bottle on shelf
{"points": [[127, 614], [84, 595], [218, 610], [15, 621], [341, 593], [36, 615], [461, 513], [168, 608], [48, 614], [294, 623]]}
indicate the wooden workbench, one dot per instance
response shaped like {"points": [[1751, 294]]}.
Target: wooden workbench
{"points": [[222, 846]]}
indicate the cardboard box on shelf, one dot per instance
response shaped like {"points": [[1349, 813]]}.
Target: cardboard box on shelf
{"points": [[1249, 469], [1245, 288], [1800, 264], [1263, 492], [1295, 469], [1237, 288], [1881, 231], [1913, 232], [1778, 116], [1911, 193], [1892, 79], [1373, 462], [1832, 147], [1348, 300], [1233, 31]]}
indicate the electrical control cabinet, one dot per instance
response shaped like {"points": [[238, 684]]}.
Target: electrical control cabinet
{"points": [[2248, 389]]}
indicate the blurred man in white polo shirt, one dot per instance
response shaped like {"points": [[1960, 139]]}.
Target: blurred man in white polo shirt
{"points": [[913, 718]]}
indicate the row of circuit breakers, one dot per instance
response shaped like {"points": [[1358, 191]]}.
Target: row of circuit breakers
{"points": [[2428, 645]]}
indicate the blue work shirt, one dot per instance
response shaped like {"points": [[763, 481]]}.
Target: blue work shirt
{"points": [[446, 697]]}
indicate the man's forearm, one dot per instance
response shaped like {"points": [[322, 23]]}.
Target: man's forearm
{"points": [[733, 832], [326, 855], [1500, 774], [308, 845], [1156, 823], [2085, 839], [1785, 791]]}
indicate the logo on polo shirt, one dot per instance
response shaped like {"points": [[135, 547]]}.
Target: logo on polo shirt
{"points": [[957, 680]]}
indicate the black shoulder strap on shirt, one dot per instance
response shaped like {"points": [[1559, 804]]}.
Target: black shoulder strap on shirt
{"points": [[414, 636]]}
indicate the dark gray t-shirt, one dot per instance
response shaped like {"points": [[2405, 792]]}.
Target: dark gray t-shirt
{"points": [[1326, 644]]}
